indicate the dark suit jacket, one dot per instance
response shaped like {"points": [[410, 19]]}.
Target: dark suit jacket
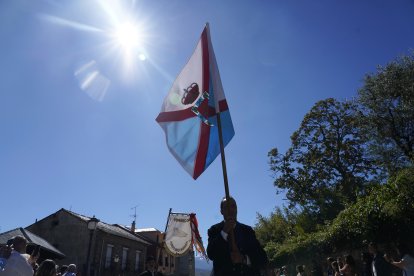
{"points": [[218, 250], [382, 267]]}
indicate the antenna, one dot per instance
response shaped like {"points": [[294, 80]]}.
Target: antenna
{"points": [[135, 212]]}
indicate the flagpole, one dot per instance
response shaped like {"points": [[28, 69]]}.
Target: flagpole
{"points": [[220, 132], [223, 157]]}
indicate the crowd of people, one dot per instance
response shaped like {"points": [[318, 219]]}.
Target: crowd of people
{"points": [[235, 251], [371, 263], [16, 262]]}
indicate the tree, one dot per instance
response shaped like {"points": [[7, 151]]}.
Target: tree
{"points": [[275, 228], [387, 102], [385, 214], [326, 166]]}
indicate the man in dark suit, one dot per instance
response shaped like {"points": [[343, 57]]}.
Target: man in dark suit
{"points": [[233, 247], [380, 267], [151, 268]]}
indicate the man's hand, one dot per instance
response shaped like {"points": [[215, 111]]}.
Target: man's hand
{"points": [[229, 225], [33, 259], [388, 259]]}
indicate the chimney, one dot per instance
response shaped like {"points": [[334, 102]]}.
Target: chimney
{"points": [[133, 227]]}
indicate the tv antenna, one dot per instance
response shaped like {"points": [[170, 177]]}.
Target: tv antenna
{"points": [[135, 212]]}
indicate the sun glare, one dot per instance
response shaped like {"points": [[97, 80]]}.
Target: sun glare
{"points": [[128, 36], [142, 57]]}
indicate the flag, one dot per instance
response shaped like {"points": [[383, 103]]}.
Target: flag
{"points": [[196, 238], [178, 236], [189, 112]]}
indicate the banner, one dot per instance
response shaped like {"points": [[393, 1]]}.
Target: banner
{"points": [[178, 234], [182, 233]]}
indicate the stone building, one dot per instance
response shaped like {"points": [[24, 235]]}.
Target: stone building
{"points": [[167, 263], [94, 246]]}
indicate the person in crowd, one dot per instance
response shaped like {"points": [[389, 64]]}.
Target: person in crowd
{"points": [[280, 271], [151, 268], [379, 266], [283, 271], [233, 246], [315, 269], [19, 263], [5, 252], [348, 268], [335, 267], [329, 270], [71, 271], [366, 264], [46, 268], [300, 270], [407, 261], [62, 269]]}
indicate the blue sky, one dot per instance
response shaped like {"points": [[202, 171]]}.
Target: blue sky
{"points": [[92, 144]]}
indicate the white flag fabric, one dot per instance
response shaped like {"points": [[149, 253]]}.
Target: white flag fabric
{"points": [[178, 236]]}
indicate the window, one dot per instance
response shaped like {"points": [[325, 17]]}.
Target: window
{"points": [[108, 256], [137, 255], [160, 260], [124, 257]]}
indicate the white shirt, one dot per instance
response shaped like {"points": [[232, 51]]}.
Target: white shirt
{"points": [[374, 271], [17, 265]]}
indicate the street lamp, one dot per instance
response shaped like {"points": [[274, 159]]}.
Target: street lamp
{"points": [[92, 223]]}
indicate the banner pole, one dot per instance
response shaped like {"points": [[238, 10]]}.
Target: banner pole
{"points": [[160, 247], [168, 218]]}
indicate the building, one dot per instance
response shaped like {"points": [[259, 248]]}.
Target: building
{"points": [[93, 245], [167, 263]]}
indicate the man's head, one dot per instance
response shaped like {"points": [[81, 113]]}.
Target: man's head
{"points": [[19, 244], [63, 269], [72, 268], [228, 208], [373, 248]]}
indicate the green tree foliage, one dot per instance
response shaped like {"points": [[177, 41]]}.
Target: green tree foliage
{"points": [[275, 228], [387, 101], [385, 215], [326, 166]]}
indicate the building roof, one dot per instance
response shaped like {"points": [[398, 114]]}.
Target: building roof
{"points": [[113, 229], [31, 238], [146, 230]]}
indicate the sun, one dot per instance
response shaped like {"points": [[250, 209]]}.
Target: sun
{"points": [[128, 36]]}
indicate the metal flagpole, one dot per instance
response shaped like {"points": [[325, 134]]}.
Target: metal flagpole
{"points": [[223, 158]]}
